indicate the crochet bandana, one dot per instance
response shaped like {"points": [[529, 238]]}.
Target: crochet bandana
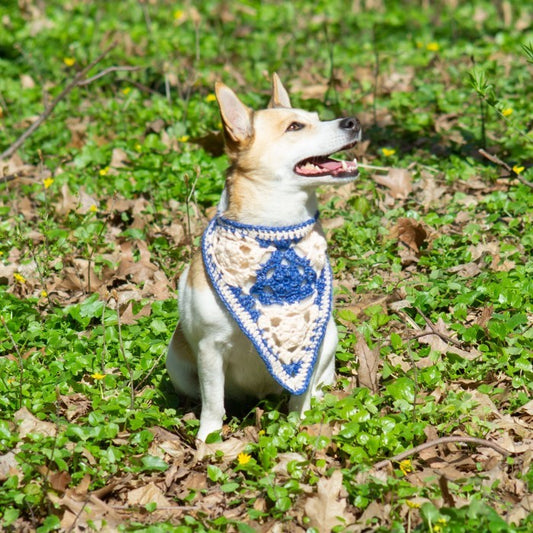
{"points": [[276, 283]]}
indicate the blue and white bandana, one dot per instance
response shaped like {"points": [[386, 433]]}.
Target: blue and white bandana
{"points": [[277, 285]]}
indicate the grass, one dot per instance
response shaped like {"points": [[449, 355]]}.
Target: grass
{"points": [[103, 204]]}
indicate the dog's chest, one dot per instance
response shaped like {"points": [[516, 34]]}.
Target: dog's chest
{"points": [[276, 285]]}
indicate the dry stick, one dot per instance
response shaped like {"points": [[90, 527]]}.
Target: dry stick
{"points": [[107, 71], [444, 440], [498, 161], [123, 351], [48, 111], [19, 359], [443, 336]]}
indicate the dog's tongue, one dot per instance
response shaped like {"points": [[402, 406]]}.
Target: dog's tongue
{"points": [[318, 166]]}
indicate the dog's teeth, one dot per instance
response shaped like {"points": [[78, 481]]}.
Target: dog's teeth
{"points": [[344, 165], [354, 161]]}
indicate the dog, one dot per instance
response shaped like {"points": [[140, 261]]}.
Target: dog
{"points": [[255, 302]]}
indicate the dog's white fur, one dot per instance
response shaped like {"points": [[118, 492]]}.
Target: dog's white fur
{"points": [[208, 355]]}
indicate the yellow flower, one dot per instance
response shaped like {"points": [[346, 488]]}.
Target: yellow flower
{"points": [[19, 278], [406, 466], [178, 14], [126, 90], [138, 147], [183, 138], [219, 125], [98, 376], [412, 505], [44, 294], [210, 97], [104, 171], [507, 111], [47, 182], [69, 61], [432, 47], [387, 152], [93, 209], [243, 458], [517, 169]]}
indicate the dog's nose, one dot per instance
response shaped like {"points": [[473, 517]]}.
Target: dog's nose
{"points": [[350, 123]]}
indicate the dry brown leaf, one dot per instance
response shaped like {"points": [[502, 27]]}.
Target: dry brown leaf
{"points": [[29, 424], [231, 448], [368, 365], [82, 511], [328, 508], [409, 232], [439, 344], [398, 180], [146, 494], [8, 465]]}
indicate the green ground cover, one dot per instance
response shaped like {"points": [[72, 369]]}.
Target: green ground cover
{"points": [[103, 204]]}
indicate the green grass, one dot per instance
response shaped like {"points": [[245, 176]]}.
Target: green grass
{"points": [[90, 251]]}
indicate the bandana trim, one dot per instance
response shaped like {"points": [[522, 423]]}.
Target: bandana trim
{"points": [[281, 298]]}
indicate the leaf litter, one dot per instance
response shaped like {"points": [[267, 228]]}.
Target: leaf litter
{"points": [[135, 274]]}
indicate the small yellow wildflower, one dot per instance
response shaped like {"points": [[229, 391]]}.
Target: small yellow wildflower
{"points": [[104, 171], [138, 147], [412, 505], [47, 182], [243, 458], [93, 209], [126, 91], [387, 152], [517, 169], [44, 294], [507, 111], [432, 47], [19, 278], [219, 125], [210, 98], [183, 139], [98, 376], [406, 466], [178, 14], [69, 61]]}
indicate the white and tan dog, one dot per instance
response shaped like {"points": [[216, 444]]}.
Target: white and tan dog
{"points": [[255, 305]]}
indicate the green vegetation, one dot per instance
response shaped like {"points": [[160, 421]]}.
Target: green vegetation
{"points": [[103, 204]]}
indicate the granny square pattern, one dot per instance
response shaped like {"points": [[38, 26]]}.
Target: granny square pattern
{"points": [[277, 284]]}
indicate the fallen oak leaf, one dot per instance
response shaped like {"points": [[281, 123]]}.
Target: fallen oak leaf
{"points": [[398, 181], [327, 509], [368, 358], [409, 232]]}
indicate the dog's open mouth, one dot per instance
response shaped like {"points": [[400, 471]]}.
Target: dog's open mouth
{"points": [[316, 166]]}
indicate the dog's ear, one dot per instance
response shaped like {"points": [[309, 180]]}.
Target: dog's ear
{"points": [[280, 96], [237, 117]]}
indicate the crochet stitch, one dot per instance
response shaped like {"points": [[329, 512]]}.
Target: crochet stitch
{"points": [[276, 283]]}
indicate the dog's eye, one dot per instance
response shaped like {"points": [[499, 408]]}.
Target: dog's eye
{"points": [[295, 126]]}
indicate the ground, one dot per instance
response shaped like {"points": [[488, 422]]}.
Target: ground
{"points": [[103, 201]]}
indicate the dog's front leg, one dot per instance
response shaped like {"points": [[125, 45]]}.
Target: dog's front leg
{"points": [[211, 378]]}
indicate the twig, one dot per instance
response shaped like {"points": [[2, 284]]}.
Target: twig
{"points": [[444, 440], [123, 351], [19, 359], [495, 159], [48, 111], [443, 336], [373, 167], [107, 71]]}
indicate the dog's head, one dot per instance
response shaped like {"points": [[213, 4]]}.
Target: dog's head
{"points": [[289, 146]]}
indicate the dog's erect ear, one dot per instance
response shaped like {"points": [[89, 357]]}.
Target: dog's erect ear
{"points": [[280, 96], [236, 116]]}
